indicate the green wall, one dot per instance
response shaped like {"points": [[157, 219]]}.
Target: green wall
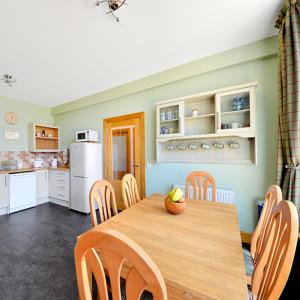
{"points": [[254, 62], [27, 113]]}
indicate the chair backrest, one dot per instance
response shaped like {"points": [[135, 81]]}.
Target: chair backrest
{"points": [[102, 193], [130, 191], [200, 182], [115, 248], [273, 266], [272, 198]]}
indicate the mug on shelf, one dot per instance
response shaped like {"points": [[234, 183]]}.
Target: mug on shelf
{"points": [[170, 147], [194, 112], [235, 125], [181, 147], [219, 145], [164, 130], [193, 146]]}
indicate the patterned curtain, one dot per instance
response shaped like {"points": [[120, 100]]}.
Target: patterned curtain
{"points": [[288, 165]]}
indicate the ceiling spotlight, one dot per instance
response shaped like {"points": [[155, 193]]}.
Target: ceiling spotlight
{"points": [[113, 5], [9, 79]]}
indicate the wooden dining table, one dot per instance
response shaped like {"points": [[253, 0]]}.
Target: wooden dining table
{"points": [[198, 252]]}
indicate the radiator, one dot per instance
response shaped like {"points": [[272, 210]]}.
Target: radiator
{"points": [[223, 195]]}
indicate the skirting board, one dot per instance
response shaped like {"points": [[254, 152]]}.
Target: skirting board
{"points": [[59, 202], [42, 200], [246, 237], [3, 211]]}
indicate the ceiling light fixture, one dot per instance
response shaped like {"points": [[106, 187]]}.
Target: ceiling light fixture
{"points": [[113, 5], [9, 79]]}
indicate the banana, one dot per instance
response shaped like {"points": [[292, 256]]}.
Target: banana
{"points": [[175, 194]]}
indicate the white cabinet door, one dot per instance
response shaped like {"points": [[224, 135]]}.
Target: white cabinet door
{"points": [[236, 111], [59, 185], [79, 194], [170, 119], [3, 190], [42, 184], [79, 155]]}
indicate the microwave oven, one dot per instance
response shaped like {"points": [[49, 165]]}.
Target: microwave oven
{"points": [[87, 136]]}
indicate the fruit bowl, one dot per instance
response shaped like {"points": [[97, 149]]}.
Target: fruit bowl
{"points": [[175, 208], [174, 202]]}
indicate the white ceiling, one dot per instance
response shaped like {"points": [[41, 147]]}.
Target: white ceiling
{"points": [[62, 50]]}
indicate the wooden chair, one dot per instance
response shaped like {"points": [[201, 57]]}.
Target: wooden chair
{"points": [[102, 193], [200, 182], [130, 191], [272, 198], [115, 249], [274, 264]]}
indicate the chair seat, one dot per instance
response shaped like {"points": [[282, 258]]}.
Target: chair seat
{"points": [[145, 296], [249, 263]]}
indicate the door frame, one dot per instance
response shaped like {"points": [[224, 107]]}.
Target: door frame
{"points": [[141, 117]]}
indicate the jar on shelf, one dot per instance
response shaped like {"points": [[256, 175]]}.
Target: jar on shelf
{"points": [[169, 115], [174, 114], [162, 116]]}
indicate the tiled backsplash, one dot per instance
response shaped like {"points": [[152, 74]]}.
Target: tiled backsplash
{"points": [[27, 158]]}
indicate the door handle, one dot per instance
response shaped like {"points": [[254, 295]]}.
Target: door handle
{"points": [[136, 166]]}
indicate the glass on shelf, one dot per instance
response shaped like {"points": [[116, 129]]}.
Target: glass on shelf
{"points": [[169, 113]]}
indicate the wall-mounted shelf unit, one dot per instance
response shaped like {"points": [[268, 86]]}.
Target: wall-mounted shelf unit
{"points": [[224, 113], [43, 138]]}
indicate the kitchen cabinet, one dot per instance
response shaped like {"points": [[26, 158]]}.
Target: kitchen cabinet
{"points": [[170, 119], [3, 193], [59, 187], [217, 126], [43, 138], [42, 184], [236, 111]]}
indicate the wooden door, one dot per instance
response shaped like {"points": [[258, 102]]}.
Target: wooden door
{"points": [[124, 152]]}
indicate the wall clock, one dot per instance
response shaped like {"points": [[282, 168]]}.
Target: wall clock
{"points": [[11, 118]]}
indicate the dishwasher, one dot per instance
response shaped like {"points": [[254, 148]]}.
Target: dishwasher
{"points": [[22, 191]]}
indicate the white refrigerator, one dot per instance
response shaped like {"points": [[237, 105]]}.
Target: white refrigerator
{"points": [[86, 168]]}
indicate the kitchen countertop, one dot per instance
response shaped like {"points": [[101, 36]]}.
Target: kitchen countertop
{"points": [[65, 169]]}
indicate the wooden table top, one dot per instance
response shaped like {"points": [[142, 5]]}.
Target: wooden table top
{"points": [[198, 252]]}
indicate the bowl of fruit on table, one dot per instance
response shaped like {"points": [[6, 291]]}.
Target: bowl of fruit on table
{"points": [[174, 202]]}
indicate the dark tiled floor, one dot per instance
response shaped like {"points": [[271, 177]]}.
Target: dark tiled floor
{"points": [[36, 253]]}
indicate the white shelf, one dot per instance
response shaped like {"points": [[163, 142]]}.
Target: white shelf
{"points": [[235, 111], [245, 134], [199, 117], [167, 121]]}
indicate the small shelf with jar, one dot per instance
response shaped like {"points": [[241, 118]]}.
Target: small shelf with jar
{"points": [[227, 112], [43, 138], [199, 115]]}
